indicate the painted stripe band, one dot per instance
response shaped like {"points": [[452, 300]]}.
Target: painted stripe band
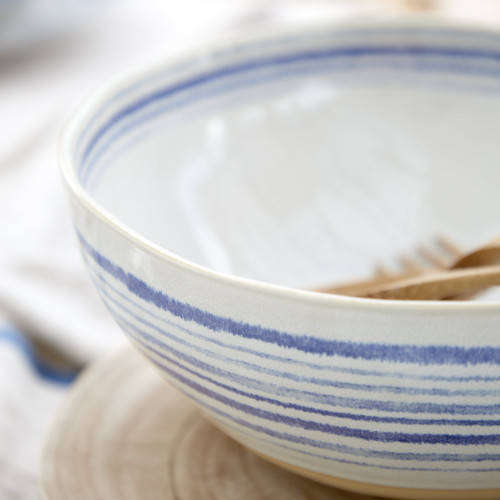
{"points": [[433, 354]]}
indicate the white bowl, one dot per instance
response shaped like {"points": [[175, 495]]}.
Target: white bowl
{"points": [[211, 192]]}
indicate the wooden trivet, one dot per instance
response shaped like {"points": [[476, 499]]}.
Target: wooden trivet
{"points": [[124, 433]]}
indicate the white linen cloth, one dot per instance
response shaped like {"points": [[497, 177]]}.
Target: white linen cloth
{"points": [[28, 400]]}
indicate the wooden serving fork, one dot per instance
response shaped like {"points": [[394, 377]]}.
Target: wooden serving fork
{"points": [[467, 275]]}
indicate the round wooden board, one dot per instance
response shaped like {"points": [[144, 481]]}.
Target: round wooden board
{"points": [[124, 433]]}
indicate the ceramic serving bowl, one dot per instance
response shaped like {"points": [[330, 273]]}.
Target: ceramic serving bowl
{"points": [[211, 194]]}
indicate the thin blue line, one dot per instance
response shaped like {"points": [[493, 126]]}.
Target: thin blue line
{"points": [[343, 402], [347, 450], [331, 401], [433, 354], [87, 165], [86, 169], [269, 371], [94, 156], [428, 458], [371, 373], [283, 60], [42, 370], [326, 428], [330, 36]]}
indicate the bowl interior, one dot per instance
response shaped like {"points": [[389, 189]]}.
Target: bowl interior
{"points": [[306, 159]]}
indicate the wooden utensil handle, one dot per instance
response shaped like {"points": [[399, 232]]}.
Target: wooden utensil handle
{"points": [[437, 285]]}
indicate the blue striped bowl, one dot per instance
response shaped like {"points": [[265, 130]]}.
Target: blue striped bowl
{"points": [[210, 193]]}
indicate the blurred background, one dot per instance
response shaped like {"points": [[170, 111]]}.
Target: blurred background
{"points": [[52, 54]]}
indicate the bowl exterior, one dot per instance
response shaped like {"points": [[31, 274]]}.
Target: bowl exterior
{"points": [[344, 388]]}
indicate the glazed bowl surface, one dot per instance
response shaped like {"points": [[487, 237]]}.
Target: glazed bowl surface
{"points": [[210, 194]]}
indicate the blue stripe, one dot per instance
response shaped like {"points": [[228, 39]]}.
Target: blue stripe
{"points": [[146, 341], [279, 62], [88, 164], [42, 370], [363, 434], [317, 55], [103, 285], [86, 169], [424, 355], [337, 430], [243, 426], [331, 400], [369, 454], [285, 437], [316, 397], [334, 36]]}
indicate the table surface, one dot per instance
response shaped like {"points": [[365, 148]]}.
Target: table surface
{"points": [[124, 433]]}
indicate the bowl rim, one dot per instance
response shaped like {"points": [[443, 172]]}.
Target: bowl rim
{"points": [[112, 86]]}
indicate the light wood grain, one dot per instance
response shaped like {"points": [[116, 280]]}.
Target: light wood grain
{"points": [[124, 434], [487, 255], [438, 285], [466, 276]]}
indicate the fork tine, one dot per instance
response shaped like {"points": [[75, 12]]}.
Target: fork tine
{"points": [[382, 272], [449, 246], [432, 257], [409, 264], [424, 260]]}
